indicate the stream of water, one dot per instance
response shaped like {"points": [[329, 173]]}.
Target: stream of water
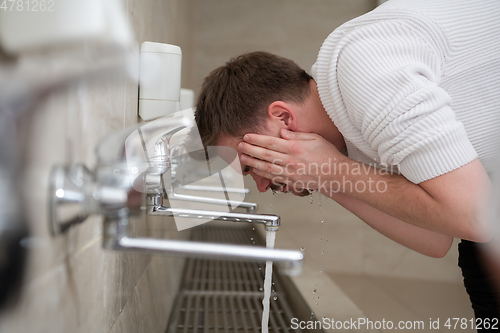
{"points": [[270, 238]]}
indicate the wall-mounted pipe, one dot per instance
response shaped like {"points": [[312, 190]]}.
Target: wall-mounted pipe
{"points": [[117, 237]]}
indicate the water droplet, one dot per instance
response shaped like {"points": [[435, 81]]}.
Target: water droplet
{"points": [[326, 240], [260, 268], [253, 228], [321, 269], [320, 212], [273, 190], [275, 298], [316, 304], [318, 297], [314, 290], [261, 289], [251, 238], [302, 248], [322, 252]]}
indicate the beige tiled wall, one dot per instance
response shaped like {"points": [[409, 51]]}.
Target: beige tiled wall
{"points": [[71, 284], [291, 28], [296, 29]]}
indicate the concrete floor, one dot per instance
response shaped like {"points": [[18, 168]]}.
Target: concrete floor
{"points": [[399, 299]]}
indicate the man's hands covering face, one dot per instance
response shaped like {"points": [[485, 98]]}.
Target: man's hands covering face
{"points": [[301, 161]]}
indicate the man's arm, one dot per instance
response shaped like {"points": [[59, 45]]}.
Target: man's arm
{"points": [[453, 204], [424, 241]]}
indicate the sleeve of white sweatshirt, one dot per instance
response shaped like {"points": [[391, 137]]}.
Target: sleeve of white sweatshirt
{"points": [[388, 74]]}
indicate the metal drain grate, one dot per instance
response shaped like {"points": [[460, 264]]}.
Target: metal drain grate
{"points": [[226, 296]]}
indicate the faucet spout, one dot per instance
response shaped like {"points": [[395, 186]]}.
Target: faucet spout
{"points": [[155, 207], [249, 206]]}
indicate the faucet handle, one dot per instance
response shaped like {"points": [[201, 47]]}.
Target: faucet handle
{"points": [[67, 197], [147, 151], [155, 136], [75, 193], [141, 143]]}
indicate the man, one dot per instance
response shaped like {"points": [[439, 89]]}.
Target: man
{"points": [[412, 85]]}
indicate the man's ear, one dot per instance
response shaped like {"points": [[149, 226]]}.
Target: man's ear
{"points": [[283, 113]]}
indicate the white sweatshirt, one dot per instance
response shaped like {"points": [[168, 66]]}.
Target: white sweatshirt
{"points": [[416, 84]]}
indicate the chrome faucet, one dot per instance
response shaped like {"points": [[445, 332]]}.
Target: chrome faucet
{"points": [[154, 206], [182, 179], [132, 162]]}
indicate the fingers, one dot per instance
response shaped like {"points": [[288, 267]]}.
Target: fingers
{"points": [[261, 153], [269, 142], [277, 144], [262, 167], [291, 135]]}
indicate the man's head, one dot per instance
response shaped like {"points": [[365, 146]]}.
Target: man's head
{"points": [[235, 97], [259, 93]]}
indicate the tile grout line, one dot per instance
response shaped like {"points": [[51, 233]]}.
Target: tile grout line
{"points": [[32, 279], [86, 246], [131, 294]]}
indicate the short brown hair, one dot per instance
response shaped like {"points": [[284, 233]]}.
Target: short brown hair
{"points": [[233, 97]]}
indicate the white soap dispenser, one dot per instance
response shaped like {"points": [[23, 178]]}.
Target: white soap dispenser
{"points": [[159, 80]]}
